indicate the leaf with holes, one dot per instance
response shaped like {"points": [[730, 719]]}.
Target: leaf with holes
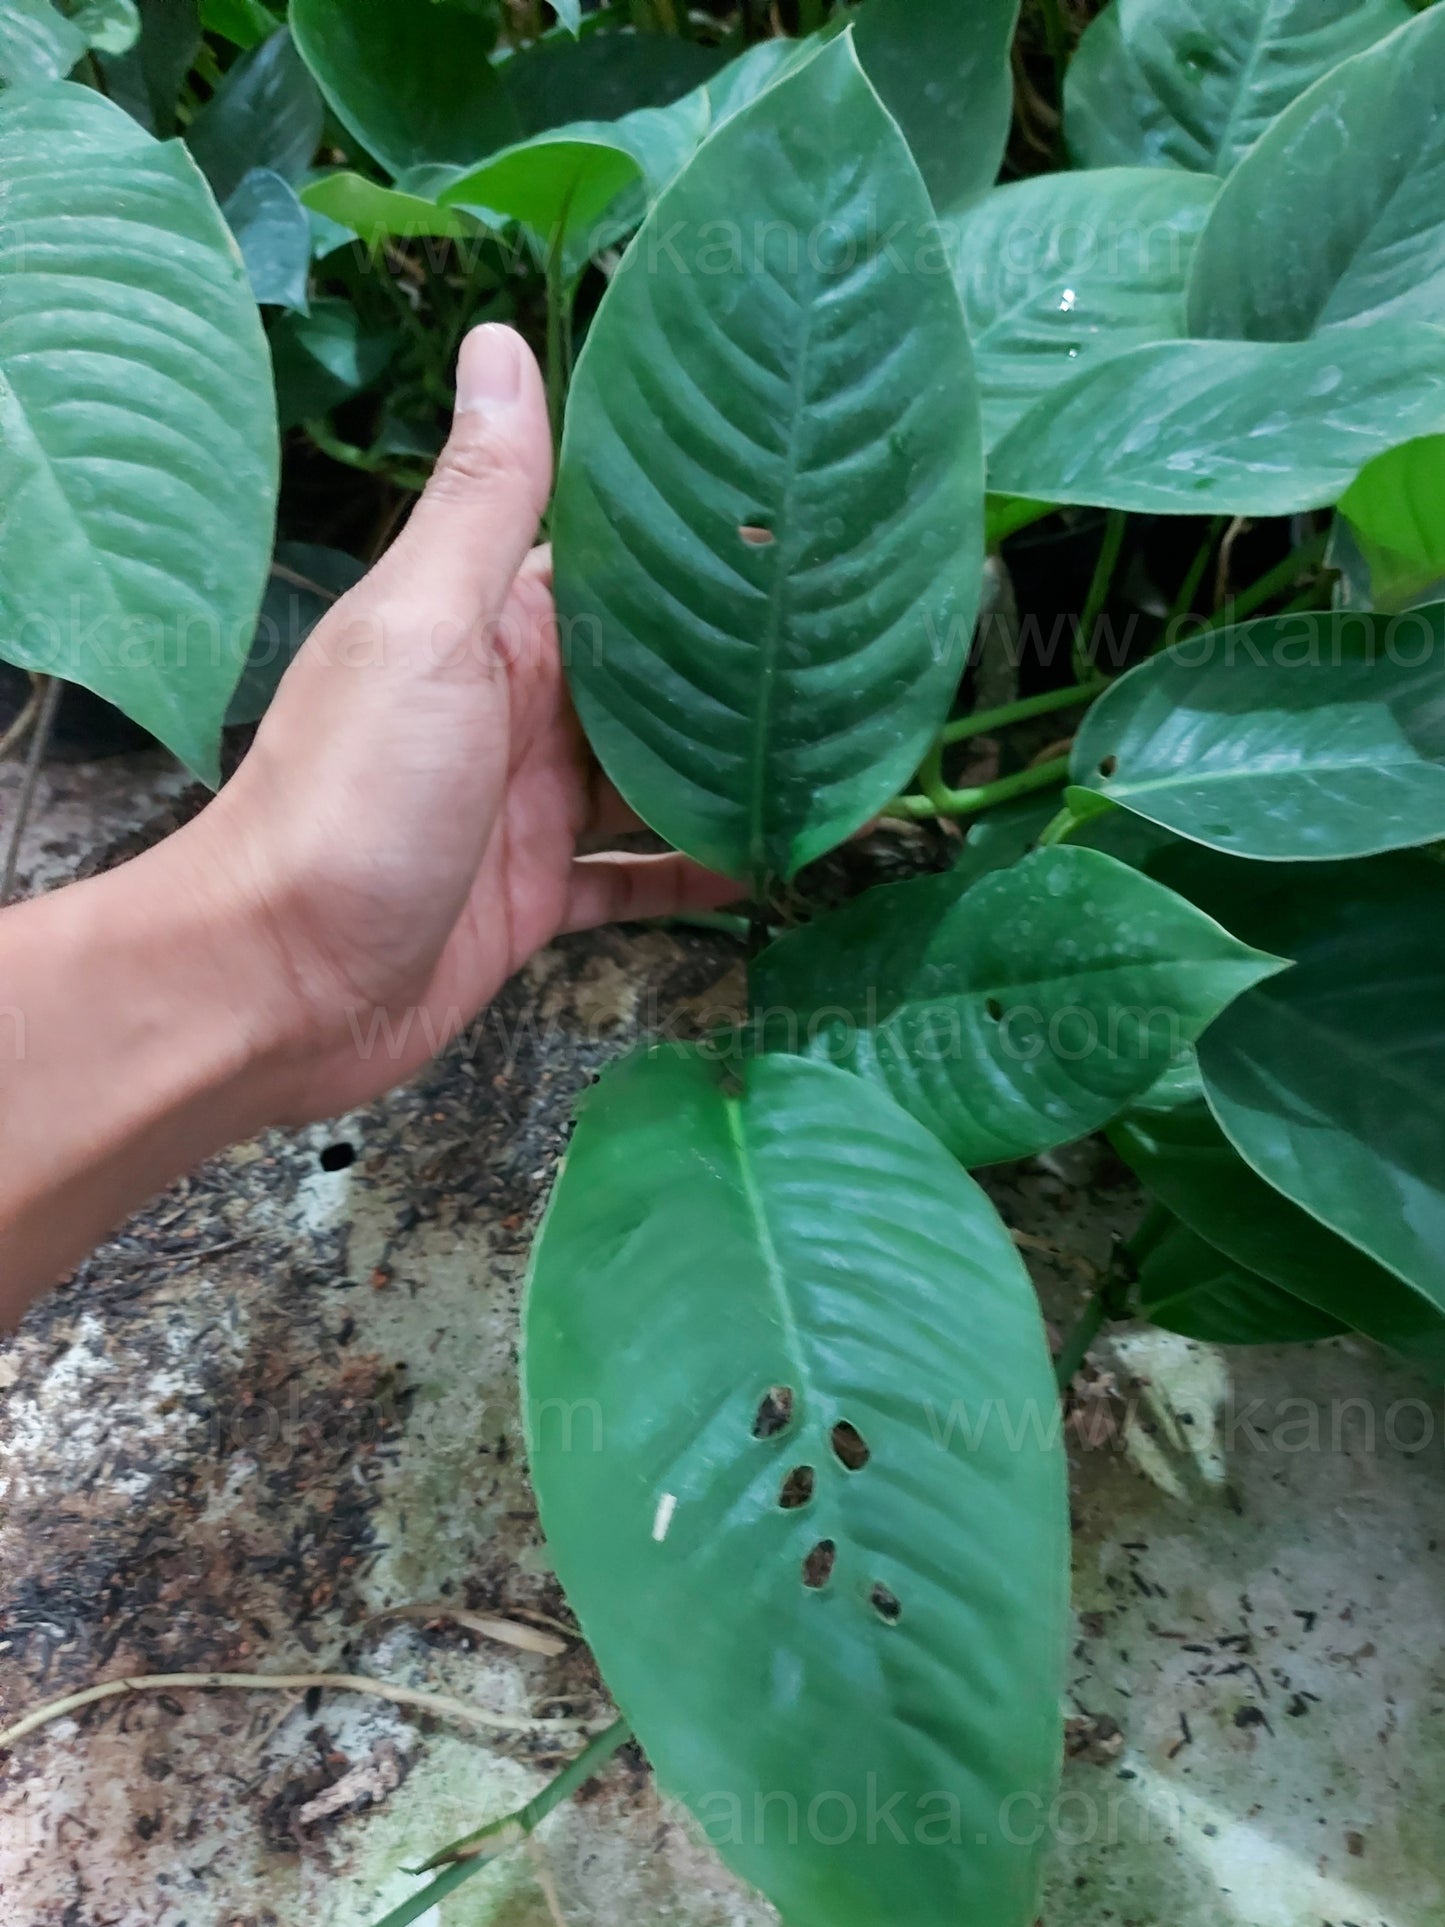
{"points": [[1229, 427], [1009, 1014], [1072, 266], [267, 113], [768, 533], [1189, 1287], [1310, 736], [1191, 1167], [1331, 1080], [942, 70], [1394, 509], [1337, 216], [1163, 83], [793, 1429], [412, 81], [137, 423]]}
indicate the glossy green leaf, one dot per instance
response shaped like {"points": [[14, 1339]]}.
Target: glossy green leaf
{"points": [[768, 534], [306, 580], [602, 77], [1318, 735], [1331, 1081], [1230, 427], [266, 113], [1009, 1014], [374, 212], [147, 79], [1191, 1167], [943, 72], [1396, 508], [1168, 83], [1337, 216], [1187, 1286], [137, 427], [411, 79], [324, 357], [1065, 268], [274, 237], [569, 12], [109, 26], [784, 1258], [245, 23], [37, 43]]}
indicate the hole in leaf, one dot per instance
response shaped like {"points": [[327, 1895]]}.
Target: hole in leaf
{"points": [[1108, 766], [886, 1605], [756, 534], [797, 1488], [338, 1157], [850, 1446], [994, 1009], [775, 1413], [818, 1566]]}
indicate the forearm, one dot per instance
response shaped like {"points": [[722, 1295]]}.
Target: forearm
{"points": [[139, 1033]]}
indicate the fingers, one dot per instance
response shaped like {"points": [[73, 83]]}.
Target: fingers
{"points": [[472, 529], [624, 889]]}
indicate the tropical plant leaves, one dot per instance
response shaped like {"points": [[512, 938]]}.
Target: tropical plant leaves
{"points": [[137, 426], [1068, 267], [1314, 736], [1331, 1081], [37, 43], [306, 580], [1162, 83], [1337, 216], [1234, 427], [768, 535], [1191, 1167], [109, 26], [413, 82], [274, 236], [267, 113], [1009, 1014], [146, 79], [325, 356], [1396, 509], [942, 70], [374, 212], [1188, 1287], [737, 1282]]}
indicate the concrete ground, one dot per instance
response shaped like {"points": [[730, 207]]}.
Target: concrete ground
{"points": [[281, 1403]]}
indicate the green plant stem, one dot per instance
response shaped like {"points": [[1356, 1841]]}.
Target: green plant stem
{"points": [[983, 722], [947, 802], [1098, 593], [514, 1826], [1057, 36], [1075, 1347], [1183, 602], [1272, 583], [320, 433], [559, 330], [1059, 828]]}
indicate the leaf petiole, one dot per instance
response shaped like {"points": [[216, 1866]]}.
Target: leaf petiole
{"points": [[968, 802]]}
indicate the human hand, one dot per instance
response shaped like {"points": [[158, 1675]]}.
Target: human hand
{"points": [[405, 831]]}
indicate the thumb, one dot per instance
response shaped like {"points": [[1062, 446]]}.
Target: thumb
{"points": [[473, 526]]}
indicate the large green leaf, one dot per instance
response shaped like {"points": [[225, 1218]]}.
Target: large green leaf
{"points": [[740, 1293], [1331, 1080], [411, 79], [602, 77], [943, 72], [1168, 83], [1187, 1286], [1189, 1164], [323, 357], [1396, 508], [1068, 267], [1008, 1014], [267, 112], [37, 43], [374, 212], [1233, 427], [1338, 214], [137, 424], [1306, 736], [768, 532]]}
